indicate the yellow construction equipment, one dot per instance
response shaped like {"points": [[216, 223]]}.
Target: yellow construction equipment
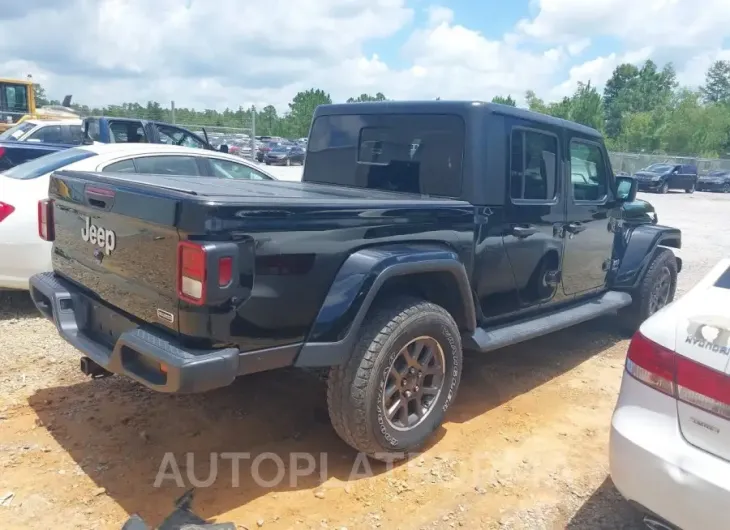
{"points": [[17, 104]]}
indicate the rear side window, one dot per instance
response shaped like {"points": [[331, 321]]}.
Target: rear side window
{"points": [[17, 132], [123, 166], [49, 134], [45, 164], [168, 165], [127, 132], [409, 153], [533, 166]]}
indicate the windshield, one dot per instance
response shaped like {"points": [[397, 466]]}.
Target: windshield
{"points": [[659, 168], [46, 164], [17, 132]]}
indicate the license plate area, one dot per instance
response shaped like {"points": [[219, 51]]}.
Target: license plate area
{"points": [[102, 324]]}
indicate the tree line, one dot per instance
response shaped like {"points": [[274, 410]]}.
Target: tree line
{"points": [[642, 109]]}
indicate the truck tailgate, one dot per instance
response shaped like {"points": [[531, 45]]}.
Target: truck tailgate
{"points": [[119, 241]]}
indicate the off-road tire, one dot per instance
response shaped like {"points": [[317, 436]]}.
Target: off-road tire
{"points": [[631, 317], [354, 389]]}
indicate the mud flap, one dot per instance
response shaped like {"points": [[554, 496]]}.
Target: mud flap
{"points": [[182, 518]]}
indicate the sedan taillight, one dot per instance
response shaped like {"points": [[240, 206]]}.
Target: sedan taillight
{"points": [[45, 220], [5, 209]]}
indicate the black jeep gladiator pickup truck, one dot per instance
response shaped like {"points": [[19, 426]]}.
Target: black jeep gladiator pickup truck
{"points": [[419, 230]]}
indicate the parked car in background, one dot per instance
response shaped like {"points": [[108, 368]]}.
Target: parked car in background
{"points": [[24, 253], [129, 130], [285, 155], [264, 148], [46, 131], [661, 178], [670, 433], [717, 180]]}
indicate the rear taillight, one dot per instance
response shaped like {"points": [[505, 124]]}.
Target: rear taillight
{"points": [[45, 220], [2, 152], [5, 210], [679, 377], [192, 272], [205, 272]]}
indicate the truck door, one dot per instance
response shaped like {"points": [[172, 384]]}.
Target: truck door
{"points": [[588, 238], [535, 213]]}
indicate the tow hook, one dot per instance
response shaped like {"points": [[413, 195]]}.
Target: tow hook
{"points": [[182, 518], [92, 369]]}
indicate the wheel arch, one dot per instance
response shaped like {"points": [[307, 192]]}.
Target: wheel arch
{"points": [[369, 276]]}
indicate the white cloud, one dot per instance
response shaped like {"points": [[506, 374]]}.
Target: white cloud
{"points": [[230, 53]]}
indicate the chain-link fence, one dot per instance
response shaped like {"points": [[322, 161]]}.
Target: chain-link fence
{"points": [[633, 162]]}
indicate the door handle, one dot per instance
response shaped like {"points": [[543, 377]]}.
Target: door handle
{"points": [[523, 231], [575, 228]]}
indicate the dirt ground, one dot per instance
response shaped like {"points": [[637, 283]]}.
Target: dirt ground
{"points": [[524, 445]]}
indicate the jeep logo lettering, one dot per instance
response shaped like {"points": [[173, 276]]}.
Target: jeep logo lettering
{"points": [[101, 237]]}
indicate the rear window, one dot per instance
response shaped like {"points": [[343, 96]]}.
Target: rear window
{"points": [[411, 153], [15, 133], [45, 164]]}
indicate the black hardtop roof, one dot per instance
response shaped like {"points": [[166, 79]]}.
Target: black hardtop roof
{"points": [[450, 107]]}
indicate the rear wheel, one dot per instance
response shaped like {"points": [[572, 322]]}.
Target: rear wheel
{"points": [[401, 378], [655, 291]]}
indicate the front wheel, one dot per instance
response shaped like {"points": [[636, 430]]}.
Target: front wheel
{"points": [[664, 188], [655, 291], [400, 380], [691, 189]]}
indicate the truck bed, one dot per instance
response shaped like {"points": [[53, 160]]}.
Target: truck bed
{"points": [[248, 192]]}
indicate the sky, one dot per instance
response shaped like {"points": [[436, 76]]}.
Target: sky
{"points": [[231, 53]]}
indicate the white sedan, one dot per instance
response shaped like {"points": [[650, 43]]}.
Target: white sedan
{"points": [[23, 253], [670, 433]]}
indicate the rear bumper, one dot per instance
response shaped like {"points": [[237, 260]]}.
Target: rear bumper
{"points": [[653, 466], [151, 357], [709, 186]]}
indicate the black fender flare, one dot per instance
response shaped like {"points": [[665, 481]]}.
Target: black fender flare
{"points": [[359, 280], [637, 249]]}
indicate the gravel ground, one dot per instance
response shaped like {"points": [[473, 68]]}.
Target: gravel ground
{"points": [[523, 447]]}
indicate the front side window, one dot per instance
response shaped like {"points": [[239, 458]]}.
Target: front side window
{"points": [[15, 98], [231, 170], [588, 172], [174, 136], [75, 134], [410, 153], [533, 166], [168, 165]]}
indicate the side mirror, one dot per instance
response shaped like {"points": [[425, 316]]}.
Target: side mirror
{"points": [[223, 148], [626, 188]]}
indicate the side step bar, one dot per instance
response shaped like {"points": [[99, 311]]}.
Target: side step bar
{"points": [[485, 340]]}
